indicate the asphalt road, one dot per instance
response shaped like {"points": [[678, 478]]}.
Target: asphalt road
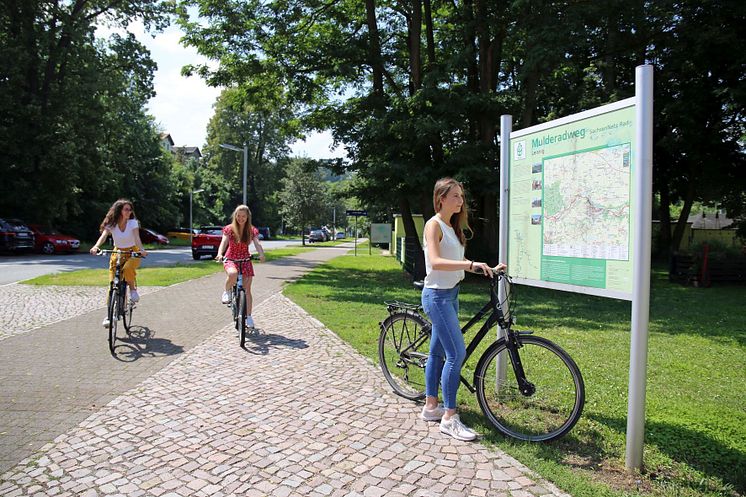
{"points": [[22, 267]]}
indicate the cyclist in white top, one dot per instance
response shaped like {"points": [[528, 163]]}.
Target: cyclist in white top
{"points": [[121, 224], [444, 243]]}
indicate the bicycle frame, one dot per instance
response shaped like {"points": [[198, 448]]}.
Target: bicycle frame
{"points": [[496, 317], [118, 284]]}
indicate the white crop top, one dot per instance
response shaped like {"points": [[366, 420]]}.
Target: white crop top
{"points": [[126, 238], [450, 248]]}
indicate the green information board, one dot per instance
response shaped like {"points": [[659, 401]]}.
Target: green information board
{"points": [[571, 202]]}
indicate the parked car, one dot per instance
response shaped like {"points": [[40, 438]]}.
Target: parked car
{"points": [[263, 232], [316, 235], [340, 235], [206, 241], [182, 233], [15, 236], [48, 240], [150, 236]]}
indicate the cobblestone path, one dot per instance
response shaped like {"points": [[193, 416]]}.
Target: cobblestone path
{"points": [[299, 413]]}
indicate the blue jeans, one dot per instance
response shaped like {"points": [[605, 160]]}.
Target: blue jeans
{"points": [[447, 349]]}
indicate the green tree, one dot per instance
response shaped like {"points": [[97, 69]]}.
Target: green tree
{"points": [[238, 119], [71, 106], [303, 198]]}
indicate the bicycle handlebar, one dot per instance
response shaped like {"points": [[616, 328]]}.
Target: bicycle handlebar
{"points": [[252, 257], [131, 252], [494, 273]]}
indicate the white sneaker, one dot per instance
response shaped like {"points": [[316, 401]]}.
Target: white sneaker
{"points": [[226, 298], [134, 296], [434, 414], [105, 323], [455, 428], [250, 322]]}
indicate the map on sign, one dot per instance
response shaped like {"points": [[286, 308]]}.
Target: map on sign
{"points": [[586, 204], [571, 202]]}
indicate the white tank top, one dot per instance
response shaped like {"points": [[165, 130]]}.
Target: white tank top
{"points": [[450, 248], [126, 238]]}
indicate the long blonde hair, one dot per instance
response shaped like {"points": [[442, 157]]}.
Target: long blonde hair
{"points": [[115, 212], [459, 220], [247, 234]]}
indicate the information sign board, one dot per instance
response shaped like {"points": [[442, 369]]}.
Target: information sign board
{"points": [[380, 233], [571, 204], [357, 212]]}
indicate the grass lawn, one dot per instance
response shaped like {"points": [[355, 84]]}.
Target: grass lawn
{"points": [[695, 436], [152, 276]]}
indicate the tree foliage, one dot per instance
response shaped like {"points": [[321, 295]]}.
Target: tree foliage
{"points": [[303, 199], [414, 88], [72, 124], [266, 130]]}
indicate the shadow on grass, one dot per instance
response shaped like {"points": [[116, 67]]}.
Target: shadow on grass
{"points": [[690, 447], [140, 342], [586, 450], [674, 310]]}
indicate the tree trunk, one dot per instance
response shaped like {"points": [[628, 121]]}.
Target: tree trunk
{"points": [[374, 50], [415, 47], [678, 233], [410, 230], [531, 85], [664, 212]]}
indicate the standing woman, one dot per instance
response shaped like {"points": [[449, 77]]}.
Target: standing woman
{"points": [[444, 243], [235, 245], [121, 224]]}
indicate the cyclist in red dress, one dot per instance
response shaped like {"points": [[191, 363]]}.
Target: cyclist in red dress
{"points": [[235, 245]]}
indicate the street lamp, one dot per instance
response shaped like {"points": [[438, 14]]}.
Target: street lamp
{"points": [[245, 151], [191, 231]]}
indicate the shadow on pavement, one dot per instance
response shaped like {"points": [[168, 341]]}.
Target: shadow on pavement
{"points": [[140, 342], [260, 343]]}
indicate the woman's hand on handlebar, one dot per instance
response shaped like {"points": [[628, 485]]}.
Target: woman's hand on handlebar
{"points": [[94, 250], [219, 258], [482, 268], [485, 269]]}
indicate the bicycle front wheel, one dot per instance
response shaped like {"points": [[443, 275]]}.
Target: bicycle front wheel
{"points": [[127, 308], [551, 403], [241, 324], [113, 314], [403, 347]]}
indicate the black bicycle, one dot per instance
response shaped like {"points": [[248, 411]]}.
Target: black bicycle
{"points": [[238, 300], [527, 386], [117, 301]]}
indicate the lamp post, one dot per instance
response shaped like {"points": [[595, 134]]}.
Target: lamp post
{"points": [[191, 231], [245, 151]]}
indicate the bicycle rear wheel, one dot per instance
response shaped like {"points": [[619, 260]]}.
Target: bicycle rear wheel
{"points": [[403, 347], [113, 314], [241, 324], [555, 397], [127, 308]]}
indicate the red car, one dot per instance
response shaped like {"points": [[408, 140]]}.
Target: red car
{"points": [[49, 241], [150, 236], [206, 241]]}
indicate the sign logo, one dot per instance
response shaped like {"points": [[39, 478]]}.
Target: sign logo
{"points": [[519, 150]]}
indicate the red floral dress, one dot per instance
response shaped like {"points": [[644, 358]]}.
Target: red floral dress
{"points": [[238, 250]]}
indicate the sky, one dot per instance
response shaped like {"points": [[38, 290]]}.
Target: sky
{"points": [[183, 105]]}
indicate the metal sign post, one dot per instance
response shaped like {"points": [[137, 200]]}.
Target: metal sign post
{"points": [[356, 213], [638, 353]]}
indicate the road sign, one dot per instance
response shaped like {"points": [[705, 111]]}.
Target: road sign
{"points": [[357, 213]]}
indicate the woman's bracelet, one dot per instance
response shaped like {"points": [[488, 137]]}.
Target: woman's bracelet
{"points": [[471, 265]]}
